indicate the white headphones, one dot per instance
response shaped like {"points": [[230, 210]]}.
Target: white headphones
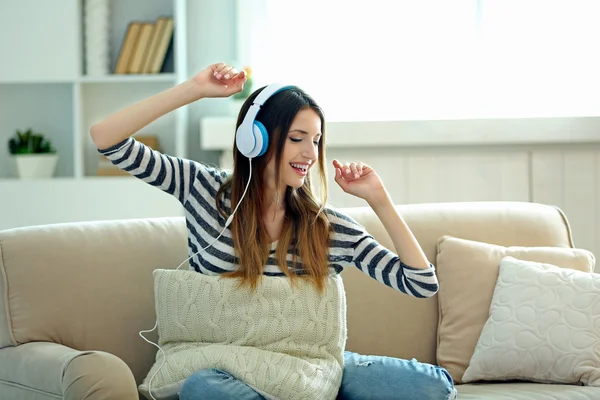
{"points": [[252, 140]]}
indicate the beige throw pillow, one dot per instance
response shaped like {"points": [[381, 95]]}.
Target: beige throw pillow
{"points": [[543, 327], [467, 272]]}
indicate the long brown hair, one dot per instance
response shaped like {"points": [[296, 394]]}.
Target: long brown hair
{"points": [[306, 230]]}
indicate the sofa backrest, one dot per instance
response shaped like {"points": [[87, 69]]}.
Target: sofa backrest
{"points": [[89, 285]]}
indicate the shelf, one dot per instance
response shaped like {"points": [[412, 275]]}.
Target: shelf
{"points": [[34, 81], [125, 78], [49, 90]]}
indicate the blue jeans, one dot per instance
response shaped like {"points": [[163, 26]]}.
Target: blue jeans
{"points": [[365, 377]]}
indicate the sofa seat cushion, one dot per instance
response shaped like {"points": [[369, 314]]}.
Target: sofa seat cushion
{"points": [[526, 391]]}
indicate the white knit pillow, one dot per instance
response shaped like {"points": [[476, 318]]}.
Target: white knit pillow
{"points": [[285, 341], [544, 326]]}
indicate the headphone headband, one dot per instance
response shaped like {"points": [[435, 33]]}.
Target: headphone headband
{"points": [[251, 137], [269, 91]]}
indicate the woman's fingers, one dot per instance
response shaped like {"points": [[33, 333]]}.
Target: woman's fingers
{"points": [[354, 170], [348, 171], [351, 171], [226, 73], [239, 78], [223, 71], [216, 68], [229, 76]]}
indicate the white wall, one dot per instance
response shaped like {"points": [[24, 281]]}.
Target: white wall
{"points": [[211, 29]]}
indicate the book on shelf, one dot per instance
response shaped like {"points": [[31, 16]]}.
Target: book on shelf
{"points": [[145, 47], [107, 168]]}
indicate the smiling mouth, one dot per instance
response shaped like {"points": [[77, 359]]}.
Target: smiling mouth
{"points": [[300, 168]]}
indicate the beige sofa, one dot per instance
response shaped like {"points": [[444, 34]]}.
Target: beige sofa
{"points": [[73, 298]]}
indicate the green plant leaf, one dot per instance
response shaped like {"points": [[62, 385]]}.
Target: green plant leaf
{"points": [[28, 142]]}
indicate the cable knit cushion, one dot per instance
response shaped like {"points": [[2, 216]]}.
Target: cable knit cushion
{"points": [[544, 326], [285, 341]]}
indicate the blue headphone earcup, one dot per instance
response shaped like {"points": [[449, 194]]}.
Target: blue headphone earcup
{"points": [[259, 129]]}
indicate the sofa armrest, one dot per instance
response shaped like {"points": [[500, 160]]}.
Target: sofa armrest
{"points": [[48, 370]]}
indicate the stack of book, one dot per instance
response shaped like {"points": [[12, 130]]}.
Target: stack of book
{"points": [[107, 168], [145, 47]]}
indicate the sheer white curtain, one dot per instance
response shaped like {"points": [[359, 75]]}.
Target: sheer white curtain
{"points": [[428, 59]]}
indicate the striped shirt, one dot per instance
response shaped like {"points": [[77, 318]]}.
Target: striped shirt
{"points": [[195, 185]]}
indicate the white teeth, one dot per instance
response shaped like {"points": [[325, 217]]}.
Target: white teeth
{"points": [[300, 166]]}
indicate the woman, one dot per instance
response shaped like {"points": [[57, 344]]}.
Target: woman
{"points": [[278, 227]]}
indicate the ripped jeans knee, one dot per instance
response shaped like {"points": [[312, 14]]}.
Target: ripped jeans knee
{"points": [[378, 377]]}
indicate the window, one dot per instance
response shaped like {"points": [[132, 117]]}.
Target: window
{"points": [[428, 59]]}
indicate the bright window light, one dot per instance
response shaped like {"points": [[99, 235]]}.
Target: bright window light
{"points": [[429, 59]]}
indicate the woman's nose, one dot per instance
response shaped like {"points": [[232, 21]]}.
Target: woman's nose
{"points": [[311, 151]]}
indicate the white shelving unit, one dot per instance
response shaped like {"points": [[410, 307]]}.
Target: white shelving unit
{"points": [[43, 84]]}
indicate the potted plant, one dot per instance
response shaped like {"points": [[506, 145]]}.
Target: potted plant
{"points": [[33, 154]]}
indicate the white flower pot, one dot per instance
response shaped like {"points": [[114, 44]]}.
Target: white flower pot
{"points": [[32, 166]]}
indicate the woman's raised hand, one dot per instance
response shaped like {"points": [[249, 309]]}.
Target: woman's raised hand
{"points": [[359, 180], [219, 80]]}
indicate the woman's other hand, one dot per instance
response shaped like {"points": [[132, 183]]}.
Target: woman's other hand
{"points": [[359, 179]]}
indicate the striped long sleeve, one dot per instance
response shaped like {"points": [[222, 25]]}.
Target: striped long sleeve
{"points": [[356, 246], [171, 174], [195, 185]]}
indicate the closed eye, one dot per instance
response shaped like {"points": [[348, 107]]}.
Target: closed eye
{"points": [[305, 133], [296, 140]]}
